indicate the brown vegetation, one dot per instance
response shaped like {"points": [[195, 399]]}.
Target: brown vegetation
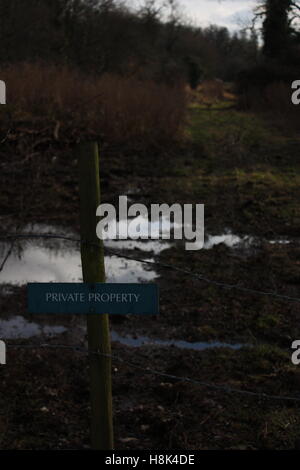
{"points": [[117, 109]]}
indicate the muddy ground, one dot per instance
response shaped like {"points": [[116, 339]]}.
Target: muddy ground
{"points": [[245, 169]]}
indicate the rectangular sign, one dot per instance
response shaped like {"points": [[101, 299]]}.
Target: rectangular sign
{"points": [[98, 298]]}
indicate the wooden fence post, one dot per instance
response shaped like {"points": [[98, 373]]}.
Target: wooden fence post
{"points": [[93, 270]]}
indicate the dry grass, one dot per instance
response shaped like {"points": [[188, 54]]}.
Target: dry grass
{"points": [[120, 110], [211, 93]]}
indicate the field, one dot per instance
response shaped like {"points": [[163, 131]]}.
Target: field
{"points": [[245, 168]]}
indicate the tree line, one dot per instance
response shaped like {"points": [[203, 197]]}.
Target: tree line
{"points": [[281, 30], [104, 36]]}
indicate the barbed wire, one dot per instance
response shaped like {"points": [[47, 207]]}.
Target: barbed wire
{"points": [[113, 252], [148, 370], [7, 255], [219, 387]]}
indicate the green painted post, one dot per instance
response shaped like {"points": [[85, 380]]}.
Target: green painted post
{"points": [[92, 258]]}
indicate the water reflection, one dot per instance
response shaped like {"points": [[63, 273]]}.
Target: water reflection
{"points": [[228, 239], [43, 264], [56, 260], [18, 327], [139, 341]]}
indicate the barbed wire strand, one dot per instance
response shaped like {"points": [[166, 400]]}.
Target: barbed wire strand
{"points": [[149, 370], [218, 387], [197, 276], [7, 255]]}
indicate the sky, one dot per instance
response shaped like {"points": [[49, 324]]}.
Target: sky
{"points": [[230, 13], [234, 14]]}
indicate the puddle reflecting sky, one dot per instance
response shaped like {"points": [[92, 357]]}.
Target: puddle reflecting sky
{"points": [[43, 264], [55, 260], [140, 341], [18, 327], [228, 239]]}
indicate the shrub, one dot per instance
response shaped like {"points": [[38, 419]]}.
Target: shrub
{"points": [[118, 109]]}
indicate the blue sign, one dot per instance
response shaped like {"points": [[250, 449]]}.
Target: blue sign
{"points": [[98, 298]]}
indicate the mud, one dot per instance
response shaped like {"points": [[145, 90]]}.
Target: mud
{"points": [[247, 175]]}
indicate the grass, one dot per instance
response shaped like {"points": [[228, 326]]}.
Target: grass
{"points": [[242, 167], [220, 131]]}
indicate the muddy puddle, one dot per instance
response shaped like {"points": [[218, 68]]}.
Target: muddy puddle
{"points": [[56, 260], [19, 327], [44, 264], [140, 341]]}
